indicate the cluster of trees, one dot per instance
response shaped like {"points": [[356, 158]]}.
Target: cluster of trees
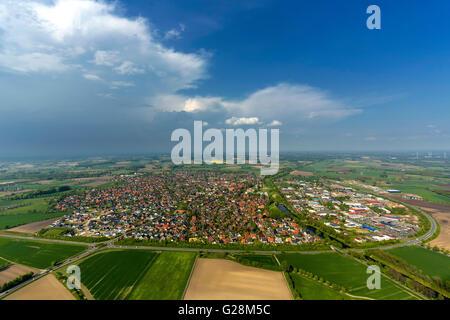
{"points": [[237, 246], [257, 264], [320, 279], [52, 174], [76, 292], [63, 234], [295, 293], [289, 270], [16, 281], [434, 248], [40, 192], [398, 211]]}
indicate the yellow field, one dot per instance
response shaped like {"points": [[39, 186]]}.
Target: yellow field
{"points": [[13, 271], [34, 226], [219, 279], [46, 288]]}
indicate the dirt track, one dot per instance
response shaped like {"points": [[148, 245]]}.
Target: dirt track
{"points": [[46, 288], [215, 279]]}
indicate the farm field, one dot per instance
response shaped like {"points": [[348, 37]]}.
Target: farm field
{"points": [[348, 273], [3, 263], [423, 181], [13, 271], [431, 263], [443, 239], [45, 288], [37, 254], [167, 277], [34, 226], [15, 213], [25, 206], [14, 220], [216, 279], [309, 289], [111, 275]]}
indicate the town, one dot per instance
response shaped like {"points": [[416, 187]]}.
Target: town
{"points": [[195, 206]]}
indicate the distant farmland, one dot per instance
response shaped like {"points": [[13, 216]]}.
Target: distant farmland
{"points": [[431, 263], [346, 272], [111, 275], [37, 254], [25, 211]]}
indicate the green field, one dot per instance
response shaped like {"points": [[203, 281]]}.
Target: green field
{"points": [[29, 210], [25, 206], [10, 221], [112, 275], [427, 190], [309, 289], [3, 263], [166, 278], [37, 254], [431, 263], [346, 272]]}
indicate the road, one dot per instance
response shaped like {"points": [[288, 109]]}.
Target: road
{"points": [[419, 239]]}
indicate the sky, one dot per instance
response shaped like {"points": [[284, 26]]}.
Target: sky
{"points": [[113, 77]]}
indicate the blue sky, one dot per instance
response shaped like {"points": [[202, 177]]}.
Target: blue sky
{"points": [[85, 76]]}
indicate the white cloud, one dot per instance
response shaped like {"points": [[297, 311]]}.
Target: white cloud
{"points": [[91, 77], [242, 121], [172, 34], [370, 138], [74, 35], [122, 84], [174, 102], [275, 123], [287, 103], [175, 33], [106, 95], [32, 62], [106, 58], [128, 68]]}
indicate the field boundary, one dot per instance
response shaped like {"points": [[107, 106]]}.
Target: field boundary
{"points": [[190, 276], [288, 284]]}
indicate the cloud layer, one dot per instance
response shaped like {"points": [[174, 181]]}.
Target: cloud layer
{"points": [[97, 77], [90, 37], [274, 106]]}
